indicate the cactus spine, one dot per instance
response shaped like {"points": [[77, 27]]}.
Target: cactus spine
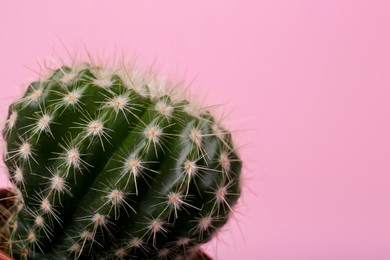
{"points": [[107, 166]]}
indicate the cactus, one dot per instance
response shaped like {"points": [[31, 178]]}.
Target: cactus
{"points": [[107, 164]]}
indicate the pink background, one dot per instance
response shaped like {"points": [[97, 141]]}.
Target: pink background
{"points": [[305, 84]]}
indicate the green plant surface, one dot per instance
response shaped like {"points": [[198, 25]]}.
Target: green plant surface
{"points": [[109, 165]]}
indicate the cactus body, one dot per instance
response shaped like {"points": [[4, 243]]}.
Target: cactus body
{"points": [[107, 167]]}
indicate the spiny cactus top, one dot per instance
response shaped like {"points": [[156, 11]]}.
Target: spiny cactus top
{"points": [[107, 166]]}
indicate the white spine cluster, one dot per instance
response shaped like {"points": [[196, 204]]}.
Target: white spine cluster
{"points": [[72, 98], [156, 226], [103, 77], [11, 121], [164, 109]]}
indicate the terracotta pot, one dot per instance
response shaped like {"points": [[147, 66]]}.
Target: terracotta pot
{"points": [[4, 256]]}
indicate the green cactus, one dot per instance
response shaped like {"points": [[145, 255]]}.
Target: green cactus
{"points": [[108, 165]]}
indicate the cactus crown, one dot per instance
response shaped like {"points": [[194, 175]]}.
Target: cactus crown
{"points": [[108, 166]]}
